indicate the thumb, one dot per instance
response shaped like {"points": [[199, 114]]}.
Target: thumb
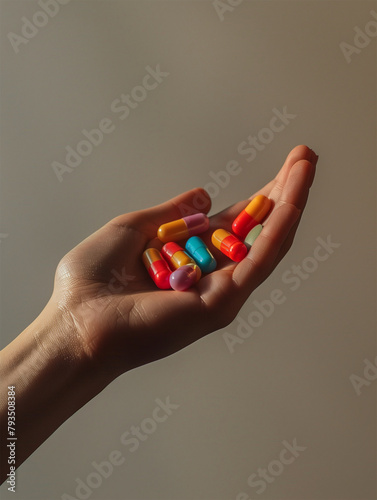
{"points": [[188, 203]]}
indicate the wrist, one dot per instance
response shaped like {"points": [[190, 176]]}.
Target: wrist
{"points": [[49, 368], [49, 343]]}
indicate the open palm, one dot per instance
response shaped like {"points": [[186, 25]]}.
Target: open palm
{"points": [[124, 320]]}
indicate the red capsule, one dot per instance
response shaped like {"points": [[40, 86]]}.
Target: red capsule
{"points": [[251, 216], [175, 255], [157, 267], [229, 245]]}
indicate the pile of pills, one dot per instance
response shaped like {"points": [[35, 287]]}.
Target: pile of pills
{"points": [[180, 268]]}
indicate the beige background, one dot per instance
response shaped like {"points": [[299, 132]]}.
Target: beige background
{"points": [[291, 378]]}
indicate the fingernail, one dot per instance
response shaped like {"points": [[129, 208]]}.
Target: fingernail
{"points": [[314, 163], [313, 157], [316, 160]]}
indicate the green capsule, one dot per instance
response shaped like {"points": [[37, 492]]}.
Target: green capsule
{"points": [[253, 235]]}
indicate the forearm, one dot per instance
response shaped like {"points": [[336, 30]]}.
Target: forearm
{"points": [[52, 378]]}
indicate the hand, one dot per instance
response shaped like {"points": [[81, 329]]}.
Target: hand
{"points": [[123, 320], [106, 316]]}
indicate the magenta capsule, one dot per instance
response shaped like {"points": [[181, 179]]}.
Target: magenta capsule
{"points": [[182, 229]]}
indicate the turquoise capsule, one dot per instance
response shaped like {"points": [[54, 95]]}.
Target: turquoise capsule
{"points": [[198, 250], [253, 235]]}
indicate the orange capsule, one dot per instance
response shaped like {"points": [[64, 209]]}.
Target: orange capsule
{"points": [[176, 256], [251, 216], [183, 228], [157, 268], [229, 245]]}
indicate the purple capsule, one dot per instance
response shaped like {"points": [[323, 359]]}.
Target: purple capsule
{"points": [[185, 277]]}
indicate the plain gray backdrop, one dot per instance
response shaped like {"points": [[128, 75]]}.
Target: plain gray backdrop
{"points": [[228, 71]]}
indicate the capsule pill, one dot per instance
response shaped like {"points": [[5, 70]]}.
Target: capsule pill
{"points": [[199, 251], [175, 255], [183, 228], [157, 268], [251, 216], [229, 245], [253, 235], [185, 277]]}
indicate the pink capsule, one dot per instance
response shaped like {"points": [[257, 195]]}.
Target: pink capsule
{"points": [[185, 277], [183, 228]]}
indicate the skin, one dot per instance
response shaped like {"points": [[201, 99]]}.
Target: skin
{"points": [[106, 316]]}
